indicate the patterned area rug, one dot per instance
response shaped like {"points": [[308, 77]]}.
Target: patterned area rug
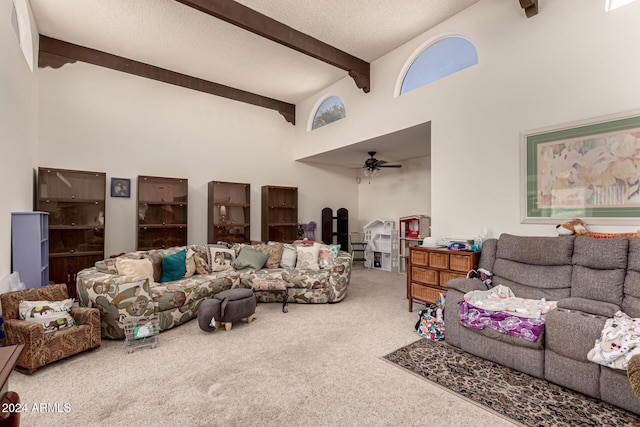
{"points": [[505, 391]]}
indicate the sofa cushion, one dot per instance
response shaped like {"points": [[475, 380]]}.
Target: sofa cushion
{"points": [[250, 258], [190, 263], [221, 258], [136, 268], [534, 267], [156, 262], [52, 315], [327, 255], [307, 257], [536, 250], [274, 250], [588, 306], [289, 255], [307, 279], [599, 269], [174, 266]]}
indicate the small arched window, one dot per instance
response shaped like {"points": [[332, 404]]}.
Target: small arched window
{"points": [[329, 111], [22, 28], [440, 59]]}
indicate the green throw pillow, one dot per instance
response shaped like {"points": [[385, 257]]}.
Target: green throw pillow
{"points": [[250, 258], [174, 266]]}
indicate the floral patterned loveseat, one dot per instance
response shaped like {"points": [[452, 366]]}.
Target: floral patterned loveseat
{"points": [[176, 302]]}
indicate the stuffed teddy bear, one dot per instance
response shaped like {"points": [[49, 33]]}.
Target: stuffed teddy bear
{"points": [[576, 227]]}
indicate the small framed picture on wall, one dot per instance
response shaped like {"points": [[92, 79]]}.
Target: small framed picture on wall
{"points": [[120, 187]]}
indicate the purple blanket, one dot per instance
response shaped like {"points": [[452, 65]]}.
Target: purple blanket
{"points": [[520, 327]]}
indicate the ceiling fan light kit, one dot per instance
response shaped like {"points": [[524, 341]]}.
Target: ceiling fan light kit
{"points": [[372, 166]]}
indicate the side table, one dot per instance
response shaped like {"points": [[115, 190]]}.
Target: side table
{"points": [[8, 358]]}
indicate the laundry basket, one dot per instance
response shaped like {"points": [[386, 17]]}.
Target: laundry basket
{"points": [[140, 332]]}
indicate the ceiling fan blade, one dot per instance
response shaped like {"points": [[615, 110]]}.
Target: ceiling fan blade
{"points": [[381, 162], [390, 166]]}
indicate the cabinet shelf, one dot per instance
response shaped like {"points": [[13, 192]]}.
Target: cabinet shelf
{"points": [[75, 201], [162, 203], [162, 212], [229, 212], [232, 205], [76, 227], [279, 213], [75, 253], [148, 226], [70, 200]]}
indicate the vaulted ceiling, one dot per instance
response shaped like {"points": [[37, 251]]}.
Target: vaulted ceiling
{"points": [[271, 53]]}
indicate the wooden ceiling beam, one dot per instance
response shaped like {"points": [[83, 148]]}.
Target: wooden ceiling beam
{"points": [[55, 53], [257, 23], [530, 7]]}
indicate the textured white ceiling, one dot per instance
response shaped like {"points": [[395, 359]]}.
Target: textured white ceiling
{"points": [[170, 35]]}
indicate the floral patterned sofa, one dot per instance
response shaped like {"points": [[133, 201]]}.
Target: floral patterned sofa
{"points": [[176, 302]]}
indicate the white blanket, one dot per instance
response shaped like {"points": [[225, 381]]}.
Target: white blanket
{"points": [[618, 342], [501, 298]]}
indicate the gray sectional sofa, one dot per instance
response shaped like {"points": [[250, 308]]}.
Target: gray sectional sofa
{"points": [[590, 278]]}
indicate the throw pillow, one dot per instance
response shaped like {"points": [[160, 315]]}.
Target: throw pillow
{"points": [[156, 261], [201, 264], [174, 266], [289, 255], [221, 259], [250, 258], [327, 255], [190, 263], [136, 268], [52, 315], [274, 250], [237, 247], [307, 257]]}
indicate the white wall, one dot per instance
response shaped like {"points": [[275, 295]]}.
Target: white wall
{"points": [[96, 119], [18, 133], [397, 192], [571, 62]]}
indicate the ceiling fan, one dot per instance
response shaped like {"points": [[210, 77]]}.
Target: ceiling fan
{"points": [[372, 165]]}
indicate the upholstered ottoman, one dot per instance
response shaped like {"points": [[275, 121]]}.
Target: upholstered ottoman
{"points": [[226, 307]]}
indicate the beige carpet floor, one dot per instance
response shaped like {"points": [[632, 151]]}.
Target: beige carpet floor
{"points": [[318, 365]]}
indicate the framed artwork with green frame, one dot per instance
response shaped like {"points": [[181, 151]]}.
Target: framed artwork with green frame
{"points": [[588, 169]]}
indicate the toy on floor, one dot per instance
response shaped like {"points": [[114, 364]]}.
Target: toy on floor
{"points": [[226, 307]]}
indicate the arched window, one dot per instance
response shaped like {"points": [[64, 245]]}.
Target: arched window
{"points": [[329, 111], [22, 28], [440, 59]]}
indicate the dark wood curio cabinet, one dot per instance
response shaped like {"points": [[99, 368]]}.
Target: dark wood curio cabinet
{"points": [[75, 201], [162, 212], [279, 213], [229, 212]]}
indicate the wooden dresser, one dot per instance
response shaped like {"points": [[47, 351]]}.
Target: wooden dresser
{"points": [[429, 270]]}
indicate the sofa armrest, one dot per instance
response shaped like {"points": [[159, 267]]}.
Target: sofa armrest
{"points": [[340, 276], [85, 315], [466, 285], [596, 308], [22, 332]]}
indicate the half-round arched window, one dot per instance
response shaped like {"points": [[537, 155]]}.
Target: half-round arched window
{"points": [[330, 110], [440, 59], [20, 21]]}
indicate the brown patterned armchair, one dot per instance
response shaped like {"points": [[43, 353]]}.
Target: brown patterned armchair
{"points": [[40, 348]]}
